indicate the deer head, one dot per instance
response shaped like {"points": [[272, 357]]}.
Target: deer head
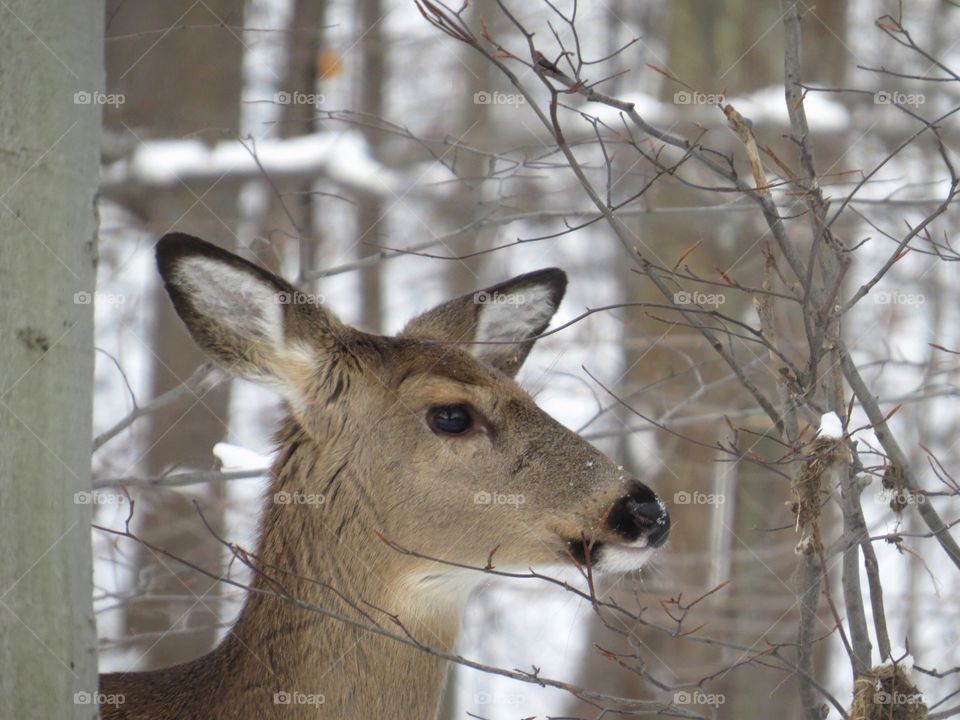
{"points": [[424, 440], [447, 441]]}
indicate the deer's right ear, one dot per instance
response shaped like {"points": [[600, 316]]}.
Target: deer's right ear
{"points": [[250, 321]]}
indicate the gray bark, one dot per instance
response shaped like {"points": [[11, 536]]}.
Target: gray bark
{"points": [[48, 181], [371, 222]]}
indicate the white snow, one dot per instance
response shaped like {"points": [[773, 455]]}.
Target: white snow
{"points": [[768, 106], [521, 624], [765, 107], [830, 426], [906, 663], [343, 157], [234, 457]]}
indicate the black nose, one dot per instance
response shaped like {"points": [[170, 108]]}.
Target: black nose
{"points": [[640, 513]]}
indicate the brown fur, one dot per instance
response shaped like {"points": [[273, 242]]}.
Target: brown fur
{"points": [[357, 437]]}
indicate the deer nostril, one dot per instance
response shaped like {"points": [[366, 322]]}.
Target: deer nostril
{"points": [[646, 510], [661, 529], [640, 513]]}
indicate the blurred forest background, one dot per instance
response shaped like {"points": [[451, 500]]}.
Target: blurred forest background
{"points": [[318, 137]]}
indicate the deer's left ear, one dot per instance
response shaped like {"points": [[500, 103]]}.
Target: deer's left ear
{"points": [[498, 321]]}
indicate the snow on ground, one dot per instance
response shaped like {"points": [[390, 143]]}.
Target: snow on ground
{"points": [[768, 106], [521, 624]]}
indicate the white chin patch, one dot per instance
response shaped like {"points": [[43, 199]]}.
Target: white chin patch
{"points": [[623, 558]]}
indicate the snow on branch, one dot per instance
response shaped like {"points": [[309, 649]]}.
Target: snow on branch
{"points": [[342, 157]]}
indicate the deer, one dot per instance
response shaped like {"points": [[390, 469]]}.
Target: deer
{"points": [[408, 439]]}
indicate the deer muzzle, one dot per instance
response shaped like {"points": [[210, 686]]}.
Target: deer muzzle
{"points": [[639, 515], [631, 529]]}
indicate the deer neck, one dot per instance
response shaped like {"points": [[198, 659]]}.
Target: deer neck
{"points": [[319, 542]]}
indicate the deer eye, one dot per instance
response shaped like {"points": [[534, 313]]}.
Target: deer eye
{"points": [[450, 419]]}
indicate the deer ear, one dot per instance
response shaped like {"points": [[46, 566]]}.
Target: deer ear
{"points": [[505, 315], [250, 321]]}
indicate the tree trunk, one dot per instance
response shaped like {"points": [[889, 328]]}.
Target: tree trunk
{"points": [[303, 76], [371, 223], [187, 83], [50, 141]]}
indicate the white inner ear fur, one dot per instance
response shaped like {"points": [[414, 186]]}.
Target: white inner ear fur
{"points": [[512, 317], [239, 300], [253, 309]]}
